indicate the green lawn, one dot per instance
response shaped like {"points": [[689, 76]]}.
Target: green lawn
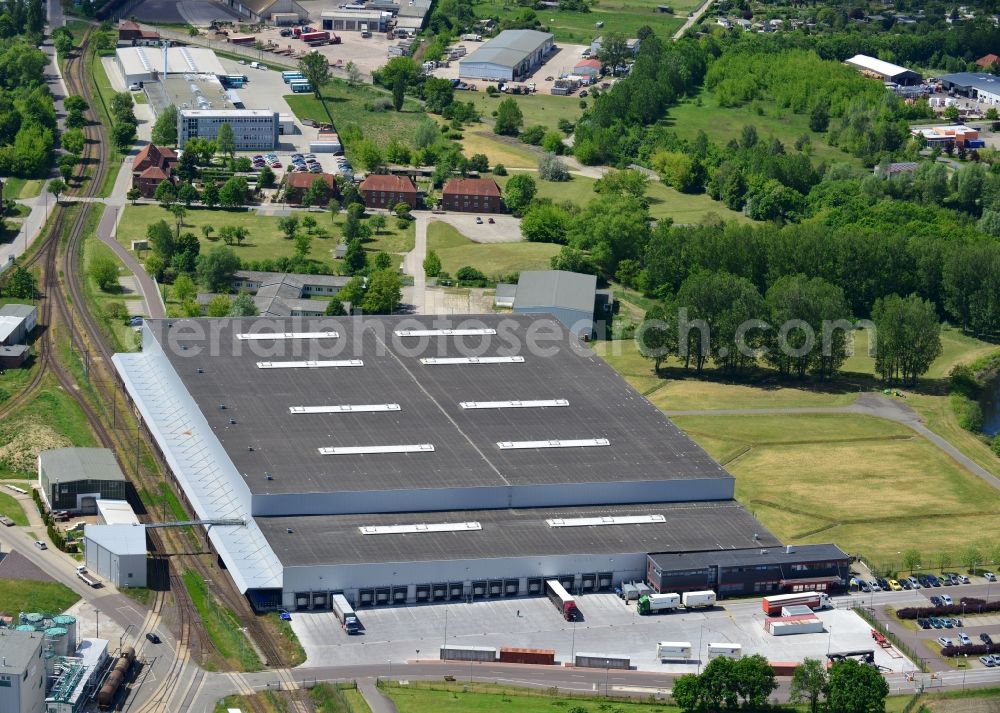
{"points": [[538, 108], [51, 419], [841, 477], [222, 626], [494, 260], [102, 91], [123, 336], [266, 240], [481, 139], [664, 201], [625, 16], [10, 507], [14, 188], [348, 107], [23, 595], [722, 124]]}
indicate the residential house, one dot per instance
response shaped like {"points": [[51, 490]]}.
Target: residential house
{"points": [[475, 195], [990, 60], [296, 185], [153, 165], [382, 191], [131, 35]]}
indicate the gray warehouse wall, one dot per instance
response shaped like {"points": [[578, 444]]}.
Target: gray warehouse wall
{"points": [[484, 70], [577, 321], [521, 496], [350, 578]]}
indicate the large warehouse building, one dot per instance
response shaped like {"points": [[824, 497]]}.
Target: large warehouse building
{"points": [[884, 71], [146, 64], [985, 88], [405, 460], [511, 55]]}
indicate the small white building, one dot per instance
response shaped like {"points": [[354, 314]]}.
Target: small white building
{"points": [[117, 553], [115, 512], [22, 671]]}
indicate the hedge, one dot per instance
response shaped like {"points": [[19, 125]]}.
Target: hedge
{"points": [[966, 605]]}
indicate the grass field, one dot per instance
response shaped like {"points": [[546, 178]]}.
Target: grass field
{"points": [[538, 109], [842, 478], [221, 625], [664, 201], [14, 188], [497, 259], [51, 420], [102, 92], [347, 107], [10, 507], [702, 113], [18, 595], [624, 16], [123, 336], [266, 240], [293, 652]]}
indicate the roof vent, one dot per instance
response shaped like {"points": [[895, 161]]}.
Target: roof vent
{"points": [[222, 407], [250, 448], [200, 370], [289, 530], [232, 422], [268, 476], [789, 549]]}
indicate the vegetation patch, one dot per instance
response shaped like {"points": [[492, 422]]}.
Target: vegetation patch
{"points": [[51, 419], [495, 260], [24, 595], [222, 626], [11, 507]]}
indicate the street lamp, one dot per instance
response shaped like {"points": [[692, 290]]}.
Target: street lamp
{"points": [[98, 634], [829, 638]]}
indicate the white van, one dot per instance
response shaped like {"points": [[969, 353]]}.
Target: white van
{"points": [[365, 32]]}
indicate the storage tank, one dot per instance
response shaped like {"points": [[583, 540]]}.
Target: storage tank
{"points": [[33, 618], [49, 657], [69, 624], [56, 637], [25, 627]]}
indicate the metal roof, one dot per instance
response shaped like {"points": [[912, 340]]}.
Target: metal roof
{"points": [[763, 553], [17, 310], [508, 48], [180, 60], [247, 407], [337, 539], [555, 289], [17, 650], [118, 539], [8, 325], [116, 512], [878, 66], [70, 464], [973, 80]]}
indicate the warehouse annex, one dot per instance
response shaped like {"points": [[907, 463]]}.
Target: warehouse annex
{"points": [[402, 459]]}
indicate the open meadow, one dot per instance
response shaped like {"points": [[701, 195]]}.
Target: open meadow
{"points": [[492, 259]]}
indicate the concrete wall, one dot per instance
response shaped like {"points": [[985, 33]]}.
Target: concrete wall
{"points": [[522, 496], [351, 578]]}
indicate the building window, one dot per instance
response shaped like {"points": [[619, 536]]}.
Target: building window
{"points": [[5, 683]]}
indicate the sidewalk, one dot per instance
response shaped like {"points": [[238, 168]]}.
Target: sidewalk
{"points": [[376, 700]]}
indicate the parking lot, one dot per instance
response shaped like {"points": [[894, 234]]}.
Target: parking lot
{"points": [[610, 628], [367, 53], [560, 62]]}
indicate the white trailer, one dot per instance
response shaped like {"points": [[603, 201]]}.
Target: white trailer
{"points": [[673, 650], [698, 599], [727, 650], [345, 614]]}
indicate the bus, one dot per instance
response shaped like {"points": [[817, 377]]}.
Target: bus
{"points": [[299, 87], [233, 81], [287, 77], [562, 600]]}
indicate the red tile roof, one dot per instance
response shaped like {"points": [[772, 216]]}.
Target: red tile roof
{"points": [[988, 60], [472, 187], [595, 63], [305, 180], [388, 184], [128, 25], [153, 172]]}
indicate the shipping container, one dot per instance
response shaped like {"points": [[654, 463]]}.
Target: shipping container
{"points": [[325, 147], [657, 603], [698, 599], [301, 87], [814, 600], [484, 654], [673, 650], [602, 661], [241, 39], [789, 625], [728, 650], [289, 77], [546, 657], [562, 599], [314, 36]]}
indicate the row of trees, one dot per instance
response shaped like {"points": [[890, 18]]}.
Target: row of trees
{"points": [[800, 326], [27, 112]]}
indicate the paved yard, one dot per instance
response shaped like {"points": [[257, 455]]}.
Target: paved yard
{"points": [[504, 229], [611, 627]]}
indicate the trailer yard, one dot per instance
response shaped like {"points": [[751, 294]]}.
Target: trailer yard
{"points": [[610, 628]]}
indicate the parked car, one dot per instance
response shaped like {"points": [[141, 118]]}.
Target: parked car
{"points": [[285, 616], [937, 601], [914, 582], [964, 638], [963, 579], [41, 545], [863, 586], [874, 585], [152, 638], [987, 661], [883, 582], [924, 623], [986, 639], [924, 581], [990, 577], [895, 586], [945, 641], [948, 623], [947, 599], [936, 623], [935, 582], [905, 584]]}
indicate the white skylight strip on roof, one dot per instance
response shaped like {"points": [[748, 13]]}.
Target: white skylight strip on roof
{"points": [[611, 520], [442, 361], [422, 527], [555, 443], [542, 403], [444, 332], [308, 364], [345, 408], [372, 450], [256, 336]]}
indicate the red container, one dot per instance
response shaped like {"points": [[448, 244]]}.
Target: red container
{"points": [[314, 36], [546, 657]]}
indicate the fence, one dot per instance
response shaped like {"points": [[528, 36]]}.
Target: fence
{"points": [[882, 629]]}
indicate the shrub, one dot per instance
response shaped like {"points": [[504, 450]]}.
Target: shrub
{"points": [[995, 444], [499, 170], [533, 135], [471, 276]]}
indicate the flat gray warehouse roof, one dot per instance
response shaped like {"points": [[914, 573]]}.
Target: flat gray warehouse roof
{"points": [[472, 447], [508, 48], [337, 539]]}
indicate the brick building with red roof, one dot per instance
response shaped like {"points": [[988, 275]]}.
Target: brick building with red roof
{"points": [[472, 195], [384, 191]]}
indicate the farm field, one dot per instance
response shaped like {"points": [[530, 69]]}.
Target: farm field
{"points": [[266, 240], [493, 259], [624, 16], [839, 477]]}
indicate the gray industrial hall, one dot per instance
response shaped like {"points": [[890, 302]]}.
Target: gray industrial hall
{"points": [[411, 459]]}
